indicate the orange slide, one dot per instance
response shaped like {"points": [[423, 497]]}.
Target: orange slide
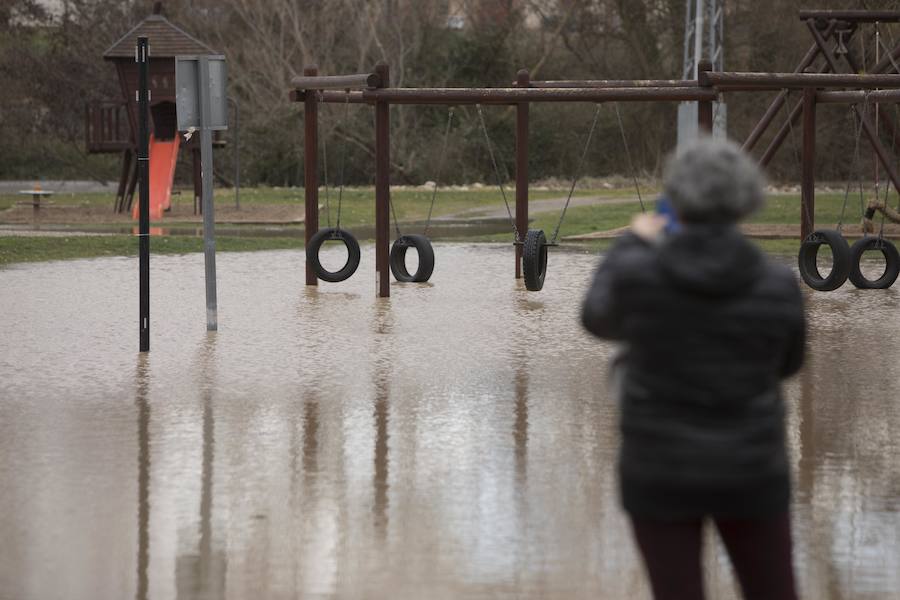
{"points": [[163, 156]]}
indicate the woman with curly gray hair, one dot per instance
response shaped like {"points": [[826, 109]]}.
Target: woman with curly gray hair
{"points": [[709, 328]]}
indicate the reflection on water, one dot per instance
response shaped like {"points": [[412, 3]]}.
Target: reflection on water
{"points": [[143, 412], [454, 441]]}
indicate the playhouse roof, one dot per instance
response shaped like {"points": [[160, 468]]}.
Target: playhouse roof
{"points": [[166, 40]]}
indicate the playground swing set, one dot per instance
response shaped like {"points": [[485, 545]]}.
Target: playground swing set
{"points": [[832, 31]]}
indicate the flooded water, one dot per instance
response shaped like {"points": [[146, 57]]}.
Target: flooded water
{"points": [[453, 441]]}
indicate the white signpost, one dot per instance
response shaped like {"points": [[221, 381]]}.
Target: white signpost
{"points": [[202, 105]]}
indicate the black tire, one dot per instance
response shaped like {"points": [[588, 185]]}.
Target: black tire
{"points": [[840, 251], [534, 259], [398, 258], [315, 245], [891, 266]]}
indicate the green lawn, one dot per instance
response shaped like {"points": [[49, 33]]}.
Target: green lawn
{"points": [[357, 204], [34, 249]]}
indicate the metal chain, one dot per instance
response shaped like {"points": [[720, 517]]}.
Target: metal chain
{"points": [[343, 160], [490, 148], [325, 167], [628, 156], [896, 70], [396, 222], [857, 126], [886, 49], [887, 188], [799, 163], [877, 114], [439, 169], [577, 176]]}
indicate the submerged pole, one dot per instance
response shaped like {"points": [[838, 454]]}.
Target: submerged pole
{"points": [[143, 60], [382, 188], [206, 167], [311, 170], [522, 81]]}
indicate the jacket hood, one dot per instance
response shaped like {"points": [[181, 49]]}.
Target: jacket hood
{"points": [[710, 259]]}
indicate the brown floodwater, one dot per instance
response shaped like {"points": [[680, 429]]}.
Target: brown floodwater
{"points": [[454, 441]]}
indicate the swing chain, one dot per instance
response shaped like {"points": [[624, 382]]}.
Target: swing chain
{"points": [[890, 55], [343, 160], [577, 175], [325, 168], [628, 156], [857, 126], [439, 169], [799, 162], [487, 140]]}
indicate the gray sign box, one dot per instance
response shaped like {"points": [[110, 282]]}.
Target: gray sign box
{"points": [[187, 95]]}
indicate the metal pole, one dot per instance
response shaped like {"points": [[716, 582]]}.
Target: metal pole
{"points": [[143, 60], [808, 167], [522, 81], [311, 169], [512, 96], [206, 167], [704, 107], [698, 38], [382, 187]]}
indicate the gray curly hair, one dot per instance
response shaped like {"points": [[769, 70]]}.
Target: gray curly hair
{"points": [[713, 181]]}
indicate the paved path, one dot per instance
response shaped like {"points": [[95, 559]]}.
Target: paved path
{"points": [[29, 232], [761, 231], [12, 186], [535, 206]]}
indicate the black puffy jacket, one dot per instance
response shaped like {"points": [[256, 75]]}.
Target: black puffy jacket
{"points": [[710, 327]]}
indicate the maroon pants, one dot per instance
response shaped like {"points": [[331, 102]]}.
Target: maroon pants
{"points": [[760, 550]]}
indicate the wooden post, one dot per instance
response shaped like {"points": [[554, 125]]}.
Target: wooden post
{"points": [[523, 80], [311, 168], [808, 177], [382, 187], [704, 107]]}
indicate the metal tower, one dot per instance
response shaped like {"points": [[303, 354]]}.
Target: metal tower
{"points": [[703, 37]]}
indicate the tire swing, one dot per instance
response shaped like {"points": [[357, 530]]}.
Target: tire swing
{"points": [[534, 253], [887, 248], [535, 244], [891, 259], [534, 250], [877, 242], [421, 243], [833, 238], [334, 233], [534, 237], [840, 252]]}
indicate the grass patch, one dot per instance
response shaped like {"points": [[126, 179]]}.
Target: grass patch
{"points": [[357, 204], [36, 249]]}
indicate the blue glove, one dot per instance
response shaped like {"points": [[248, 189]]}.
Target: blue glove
{"points": [[664, 208]]}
